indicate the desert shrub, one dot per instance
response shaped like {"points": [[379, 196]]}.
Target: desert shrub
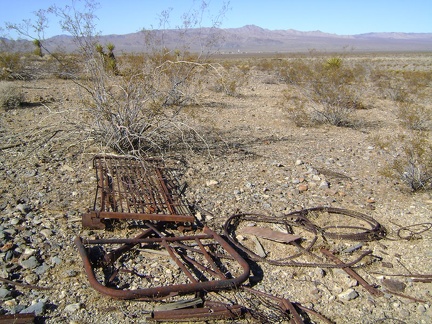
{"points": [[64, 66], [138, 109], [411, 160], [10, 95], [230, 78], [328, 93], [415, 116], [401, 86], [11, 65]]}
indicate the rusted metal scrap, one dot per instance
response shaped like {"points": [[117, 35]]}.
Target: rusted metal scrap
{"points": [[210, 311], [132, 188], [196, 261], [18, 318], [287, 307], [353, 226], [372, 290], [300, 233]]}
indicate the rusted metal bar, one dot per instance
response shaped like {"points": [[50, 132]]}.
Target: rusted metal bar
{"points": [[110, 257], [19, 284], [17, 318], [210, 260], [222, 312], [139, 216], [164, 291], [165, 192], [178, 262], [202, 267], [372, 290], [148, 240]]}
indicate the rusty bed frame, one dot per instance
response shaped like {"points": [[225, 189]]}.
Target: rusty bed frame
{"points": [[132, 188]]}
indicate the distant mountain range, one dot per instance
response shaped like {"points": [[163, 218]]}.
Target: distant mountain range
{"points": [[254, 39]]}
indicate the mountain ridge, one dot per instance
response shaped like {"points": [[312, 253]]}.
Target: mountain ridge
{"points": [[252, 38]]}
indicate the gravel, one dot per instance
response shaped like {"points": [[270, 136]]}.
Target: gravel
{"points": [[263, 165]]}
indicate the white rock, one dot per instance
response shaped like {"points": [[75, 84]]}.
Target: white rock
{"points": [[298, 162], [210, 183], [348, 294], [72, 308]]}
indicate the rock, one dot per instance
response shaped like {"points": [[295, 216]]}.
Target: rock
{"points": [[70, 273], [66, 168], [4, 293], [72, 308], [299, 162], [56, 260], [324, 185], [348, 294], [394, 285], [46, 232], [37, 308], [23, 208], [30, 263], [210, 183], [42, 269], [303, 187], [31, 279]]}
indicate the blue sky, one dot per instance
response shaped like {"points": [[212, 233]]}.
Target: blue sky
{"points": [[337, 16]]}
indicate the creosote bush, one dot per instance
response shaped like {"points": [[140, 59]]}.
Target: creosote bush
{"points": [[415, 116], [133, 104], [325, 93], [411, 160], [10, 95]]}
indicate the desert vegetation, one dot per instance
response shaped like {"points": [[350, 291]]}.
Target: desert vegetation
{"points": [[269, 131]]}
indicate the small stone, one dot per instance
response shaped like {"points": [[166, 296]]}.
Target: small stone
{"points": [[210, 183], [66, 168], [348, 294], [421, 309], [315, 177], [320, 272], [72, 308], [36, 308], [10, 302], [56, 260], [30, 263], [46, 232], [42, 269], [6, 293], [199, 216], [394, 285], [299, 162], [7, 247], [352, 283], [23, 208], [31, 279], [303, 187], [70, 273], [324, 185]]}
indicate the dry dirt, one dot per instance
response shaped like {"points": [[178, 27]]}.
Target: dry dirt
{"points": [[254, 160]]}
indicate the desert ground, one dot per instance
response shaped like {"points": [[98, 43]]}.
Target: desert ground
{"points": [[250, 157]]}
